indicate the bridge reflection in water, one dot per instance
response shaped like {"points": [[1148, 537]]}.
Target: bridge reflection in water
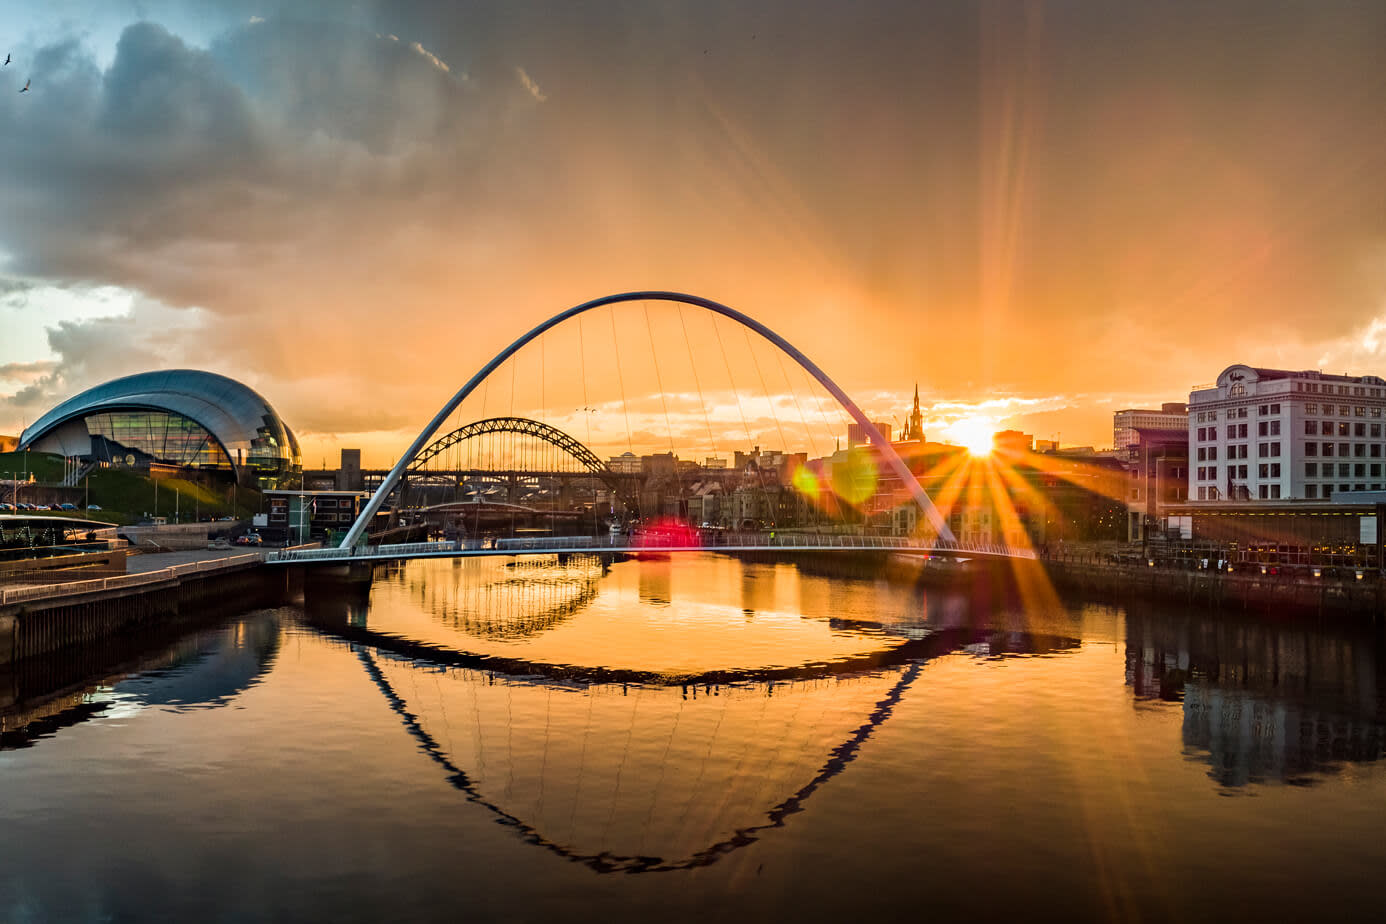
{"points": [[613, 765]]}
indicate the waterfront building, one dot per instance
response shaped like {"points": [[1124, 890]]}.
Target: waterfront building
{"points": [[1273, 434], [856, 433], [627, 463], [1157, 461], [299, 516], [1172, 416], [182, 419]]}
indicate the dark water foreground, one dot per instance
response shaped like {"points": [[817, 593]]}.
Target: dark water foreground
{"points": [[697, 740]]}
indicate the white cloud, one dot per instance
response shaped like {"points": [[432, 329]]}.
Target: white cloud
{"points": [[530, 86], [430, 57]]}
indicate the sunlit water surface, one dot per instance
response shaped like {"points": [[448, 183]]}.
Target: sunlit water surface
{"points": [[703, 738]]}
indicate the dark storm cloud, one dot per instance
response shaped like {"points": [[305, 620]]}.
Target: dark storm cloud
{"points": [[978, 187]]}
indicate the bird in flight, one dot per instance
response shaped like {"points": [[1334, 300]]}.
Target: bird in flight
{"points": [[26, 86], [7, 60]]}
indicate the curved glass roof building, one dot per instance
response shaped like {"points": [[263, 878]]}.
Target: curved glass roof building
{"points": [[179, 417]]}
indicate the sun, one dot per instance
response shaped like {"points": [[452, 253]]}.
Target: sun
{"points": [[975, 434]]}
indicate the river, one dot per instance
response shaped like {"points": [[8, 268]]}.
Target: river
{"points": [[703, 739]]}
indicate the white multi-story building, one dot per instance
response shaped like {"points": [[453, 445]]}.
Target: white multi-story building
{"points": [[1271, 434], [1170, 416]]}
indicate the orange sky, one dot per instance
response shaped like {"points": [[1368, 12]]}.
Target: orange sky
{"points": [[1050, 211]]}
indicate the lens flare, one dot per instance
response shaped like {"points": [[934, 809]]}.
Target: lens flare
{"points": [[855, 480]]}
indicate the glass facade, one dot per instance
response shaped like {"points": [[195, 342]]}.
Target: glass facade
{"points": [[128, 437]]}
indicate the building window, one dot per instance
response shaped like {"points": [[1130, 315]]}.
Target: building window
{"points": [[1263, 470], [1376, 431], [1360, 470], [1310, 428], [1202, 434], [1343, 469], [1343, 428], [1311, 449], [1202, 493], [1376, 451], [1342, 449], [1311, 491], [1326, 427], [1264, 491], [1327, 491], [1212, 453], [1311, 408], [1231, 431], [1275, 470], [1275, 428], [1359, 487], [1261, 451], [1261, 411], [1241, 471], [1327, 449], [1275, 492], [1241, 412], [1344, 411], [1311, 469], [1376, 411], [1359, 429], [1275, 449], [1359, 450], [1261, 428], [1275, 409], [1203, 453], [1376, 470], [1359, 411]]}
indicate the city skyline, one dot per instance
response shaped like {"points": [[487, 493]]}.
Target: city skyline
{"points": [[330, 187]]}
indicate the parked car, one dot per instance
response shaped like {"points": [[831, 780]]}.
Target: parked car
{"points": [[41, 507], [8, 508], [93, 506], [67, 506]]}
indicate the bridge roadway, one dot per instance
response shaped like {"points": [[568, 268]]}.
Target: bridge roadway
{"points": [[634, 545]]}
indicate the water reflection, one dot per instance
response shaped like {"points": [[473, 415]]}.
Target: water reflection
{"points": [[514, 599], [653, 778], [203, 670], [635, 620], [1262, 701]]}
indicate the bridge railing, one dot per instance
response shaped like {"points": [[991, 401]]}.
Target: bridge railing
{"points": [[116, 582], [649, 541]]}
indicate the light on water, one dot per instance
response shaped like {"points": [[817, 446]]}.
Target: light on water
{"points": [[704, 736]]}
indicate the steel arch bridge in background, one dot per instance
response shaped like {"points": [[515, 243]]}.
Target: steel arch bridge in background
{"points": [[524, 426], [357, 533]]}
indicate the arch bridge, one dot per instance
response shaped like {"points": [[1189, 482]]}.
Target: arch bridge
{"points": [[508, 451], [356, 536]]}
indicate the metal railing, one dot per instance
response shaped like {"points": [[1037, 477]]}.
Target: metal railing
{"points": [[648, 542], [73, 588]]}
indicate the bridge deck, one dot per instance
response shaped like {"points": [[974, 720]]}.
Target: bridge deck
{"points": [[746, 542]]}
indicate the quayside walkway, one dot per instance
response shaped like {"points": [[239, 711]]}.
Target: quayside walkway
{"points": [[158, 568]]}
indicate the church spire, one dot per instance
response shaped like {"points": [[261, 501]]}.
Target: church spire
{"points": [[915, 429]]}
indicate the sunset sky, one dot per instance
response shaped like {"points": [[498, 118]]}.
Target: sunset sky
{"points": [[1041, 212]]}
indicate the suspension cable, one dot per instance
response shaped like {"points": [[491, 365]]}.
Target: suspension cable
{"points": [[659, 380], [693, 364], [621, 379]]}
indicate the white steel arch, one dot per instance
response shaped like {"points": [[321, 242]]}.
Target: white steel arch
{"points": [[357, 532]]}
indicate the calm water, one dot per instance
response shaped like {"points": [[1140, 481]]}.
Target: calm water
{"points": [[697, 739]]}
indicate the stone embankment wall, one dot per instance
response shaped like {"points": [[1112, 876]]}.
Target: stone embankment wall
{"points": [[1248, 590], [47, 625]]}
